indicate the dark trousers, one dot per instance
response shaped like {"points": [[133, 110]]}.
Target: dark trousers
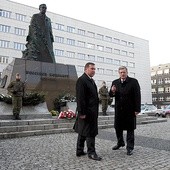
{"points": [[130, 138], [90, 141], [17, 105]]}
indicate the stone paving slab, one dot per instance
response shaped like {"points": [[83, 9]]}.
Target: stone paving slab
{"points": [[57, 151]]}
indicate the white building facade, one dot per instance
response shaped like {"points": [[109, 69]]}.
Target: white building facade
{"points": [[76, 43]]}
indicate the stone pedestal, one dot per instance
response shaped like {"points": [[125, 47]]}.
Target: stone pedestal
{"points": [[53, 79]]}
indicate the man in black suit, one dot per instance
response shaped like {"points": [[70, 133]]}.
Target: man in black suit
{"points": [[126, 91], [86, 124]]}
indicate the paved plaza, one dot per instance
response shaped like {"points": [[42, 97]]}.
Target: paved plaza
{"points": [[57, 151]]}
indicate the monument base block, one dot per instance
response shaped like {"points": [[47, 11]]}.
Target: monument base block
{"points": [[52, 79]]}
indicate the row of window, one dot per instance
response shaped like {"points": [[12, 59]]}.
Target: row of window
{"points": [[165, 71], [17, 31], [71, 29], [161, 99], [16, 45], [161, 90], [7, 14], [160, 81], [93, 46], [58, 26], [83, 56], [3, 59]]}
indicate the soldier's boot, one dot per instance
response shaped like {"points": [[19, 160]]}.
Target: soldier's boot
{"points": [[104, 113], [17, 117]]}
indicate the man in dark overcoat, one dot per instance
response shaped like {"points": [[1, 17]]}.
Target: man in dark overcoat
{"points": [[86, 124], [126, 91]]}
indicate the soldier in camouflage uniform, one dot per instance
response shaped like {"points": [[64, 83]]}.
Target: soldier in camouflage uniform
{"points": [[16, 88], [104, 97]]}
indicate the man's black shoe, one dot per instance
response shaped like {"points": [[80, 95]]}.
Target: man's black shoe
{"points": [[81, 154], [95, 157], [17, 118], [130, 152], [118, 146]]}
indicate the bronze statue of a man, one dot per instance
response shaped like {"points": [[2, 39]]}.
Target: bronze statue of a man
{"points": [[40, 38]]}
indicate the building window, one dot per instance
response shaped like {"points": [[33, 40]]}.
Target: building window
{"points": [[116, 51], [70, 29], [90, 57], [59, 52], [131, 74], [117, 62], [100, 70], [167, 80], [91, 34], [117, 41], [167, 89], [20, 17], [108, 49], [81, 56], [153, 81], [81, 44], [166, 71], [160, 72], [3, 59], [70, 41], [89, 45], [109, 60], [168, 98], [130, 44], [4, 28], [124, 53], [99, 36], [125, 63], [4, 44], [108, 38], [160, 81], [161, 99], [19, 46], [100, 59], [59, 39], [80, 69], [81, 32], [59, 26], [19, 31], [70, 54], [154, 99], [131, 54], [153, 73], [108, 72], [160, 90], [6, 14], [153, 91], [100, 48], [131, 64], [124, 42]]}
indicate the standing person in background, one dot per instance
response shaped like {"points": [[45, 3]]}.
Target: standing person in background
{"points": [[104, 97], [126, 91], [86, 124], [16, 88]]}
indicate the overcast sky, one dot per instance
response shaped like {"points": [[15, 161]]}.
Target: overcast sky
{"points": [[147, 19]]}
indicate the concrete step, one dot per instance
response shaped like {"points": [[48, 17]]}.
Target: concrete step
{"points": [[43, 132], [159, 120], [23, 128]]}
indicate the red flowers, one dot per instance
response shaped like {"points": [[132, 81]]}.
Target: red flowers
{"points": [[69, 114]]}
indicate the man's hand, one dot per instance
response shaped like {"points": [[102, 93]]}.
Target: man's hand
{"points": [[113, 89], [136, 113], [82, 116]]}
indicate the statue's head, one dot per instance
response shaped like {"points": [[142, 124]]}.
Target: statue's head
{"points": [[42, 8]]}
